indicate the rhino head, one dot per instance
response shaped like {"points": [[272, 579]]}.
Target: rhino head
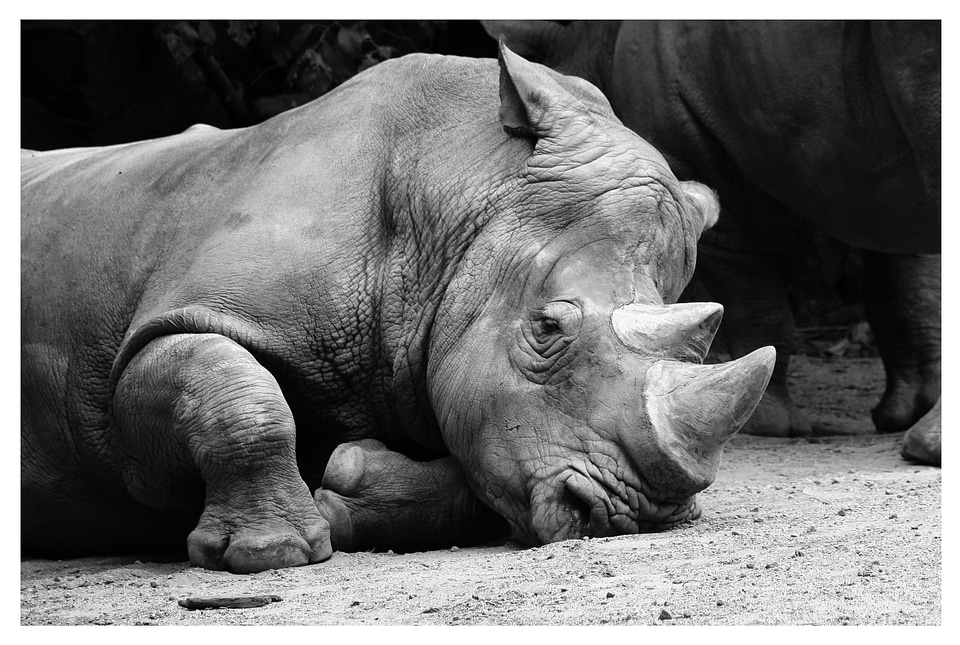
{"points": [[566, 382]]}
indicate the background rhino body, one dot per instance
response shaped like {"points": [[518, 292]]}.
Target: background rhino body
{"points": [[829, 124], [208, 317]]}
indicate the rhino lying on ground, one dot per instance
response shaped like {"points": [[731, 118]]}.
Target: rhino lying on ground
{"points": [[830, 124], [408, 314]]}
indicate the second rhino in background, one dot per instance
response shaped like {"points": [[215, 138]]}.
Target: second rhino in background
{"points": [[833, 125]]}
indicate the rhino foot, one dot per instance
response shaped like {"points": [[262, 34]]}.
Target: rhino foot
{"points": [[922, 441], [234, 537], [777, 416], [374, 497], [903, 406]]}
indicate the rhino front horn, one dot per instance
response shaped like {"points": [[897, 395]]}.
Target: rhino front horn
{"points": [[694, 410]]}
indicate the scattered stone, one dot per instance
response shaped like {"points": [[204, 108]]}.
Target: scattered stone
{"points": [[454, 548], [842, 512], [390, 552], [610, 594], [751, 565], [892, 517], [687, 614], [355, 603], [431, 610], [758, 520], [665, 615], [232, 602], [720, 603], [755, 509]]}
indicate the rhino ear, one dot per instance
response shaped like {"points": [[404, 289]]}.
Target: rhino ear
{"points": [[703, 202], [526, 95]]}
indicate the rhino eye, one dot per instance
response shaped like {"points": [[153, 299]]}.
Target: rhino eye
{"points": [[559, 318]]}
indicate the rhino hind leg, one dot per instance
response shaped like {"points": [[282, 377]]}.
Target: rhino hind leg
{"points": [[740, 271], [197, 412], [374, 497], [902, 297]]}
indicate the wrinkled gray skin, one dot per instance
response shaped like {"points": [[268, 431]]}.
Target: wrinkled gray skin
{"points": [[436, 291], [829, 124]]}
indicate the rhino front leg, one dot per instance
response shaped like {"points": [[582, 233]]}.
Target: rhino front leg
{"points": [[197, 412], [374, 497], [902, 296]]}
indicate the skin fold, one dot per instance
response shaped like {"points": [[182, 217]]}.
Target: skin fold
{"points": [[825, 124], [382, 319]]}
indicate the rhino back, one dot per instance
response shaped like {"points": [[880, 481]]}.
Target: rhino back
{"points": [[803, 111]]}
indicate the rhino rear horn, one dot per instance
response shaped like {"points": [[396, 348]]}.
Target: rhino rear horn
{"points": [[682, 332]]}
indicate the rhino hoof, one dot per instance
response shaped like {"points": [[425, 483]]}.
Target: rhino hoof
{"points": [[251, 553], [922, 441]]}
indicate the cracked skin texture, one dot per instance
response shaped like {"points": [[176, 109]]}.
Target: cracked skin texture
{"points": [[208, 317]]}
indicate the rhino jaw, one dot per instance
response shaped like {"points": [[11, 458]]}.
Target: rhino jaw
{"points": [[694, 410]]}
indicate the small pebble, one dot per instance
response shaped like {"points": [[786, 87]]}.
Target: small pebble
{"points": [[751, 565], [610, 594], [665, 615], [720, 603], [454, 548], [153, 583], [841, 512]]}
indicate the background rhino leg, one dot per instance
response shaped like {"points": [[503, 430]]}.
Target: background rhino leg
{"points": [[902, 297], [192, 406], [374, 497], [740, 270]]}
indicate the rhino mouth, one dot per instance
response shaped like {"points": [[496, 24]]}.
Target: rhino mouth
{"points": [[570, 506], [573, 505]]}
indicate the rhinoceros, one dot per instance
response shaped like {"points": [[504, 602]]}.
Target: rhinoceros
{"points": [[834, 125], [437, 303]]}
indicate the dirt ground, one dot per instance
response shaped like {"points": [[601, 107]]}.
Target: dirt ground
{"points": [[832, 530]]}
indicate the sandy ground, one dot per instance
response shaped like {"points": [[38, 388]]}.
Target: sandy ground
{"points": [[833, 530]]}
